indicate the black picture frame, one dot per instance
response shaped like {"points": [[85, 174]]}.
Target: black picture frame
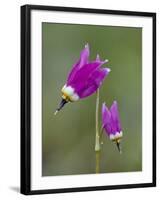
{"points": [[25, 182]]}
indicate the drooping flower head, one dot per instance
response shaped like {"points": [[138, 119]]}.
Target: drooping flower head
{"points": [[111, 123], [84, 78]]}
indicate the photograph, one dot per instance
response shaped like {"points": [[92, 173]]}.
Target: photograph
{"points": [[79, 61]]}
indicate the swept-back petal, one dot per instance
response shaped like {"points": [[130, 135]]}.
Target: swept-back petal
{"points": [[104, 114], [93, 83], [80, 63], [87, 91], [82, 75], [115, 117], [106, 119], [98, 76]]}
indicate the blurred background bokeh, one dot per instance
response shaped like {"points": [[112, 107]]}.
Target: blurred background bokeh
{"points": [[69, 137]]}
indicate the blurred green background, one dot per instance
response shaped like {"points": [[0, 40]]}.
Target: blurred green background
{"points": [[69, 137]]}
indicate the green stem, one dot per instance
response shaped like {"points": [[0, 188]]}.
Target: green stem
{"points": [[97, 142], [97, 162]]}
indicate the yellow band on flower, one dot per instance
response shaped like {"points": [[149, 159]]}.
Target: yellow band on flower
{"points": [[65, 96]]}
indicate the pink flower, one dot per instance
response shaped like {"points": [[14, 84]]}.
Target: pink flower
{"points": [[84, 78], [111, 123]]}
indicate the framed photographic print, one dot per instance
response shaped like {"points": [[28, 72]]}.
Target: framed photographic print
{"points": [[88, 99]]}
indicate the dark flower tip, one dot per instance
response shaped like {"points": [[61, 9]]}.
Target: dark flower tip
{"points": [[62, 103], [119, 146]]}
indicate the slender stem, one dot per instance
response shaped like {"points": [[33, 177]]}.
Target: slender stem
{"points": [[97, 162], [97, 142]]}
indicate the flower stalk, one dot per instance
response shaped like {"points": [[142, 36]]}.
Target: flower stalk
{"points": [[97, 137]]}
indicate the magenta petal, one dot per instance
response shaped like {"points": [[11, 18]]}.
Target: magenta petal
{"points": [[93, 82], [84, 56], [98, 76], [104, 114], [106, 119], [88, 91], [81, 62], [82, 75], [115, 117]]}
